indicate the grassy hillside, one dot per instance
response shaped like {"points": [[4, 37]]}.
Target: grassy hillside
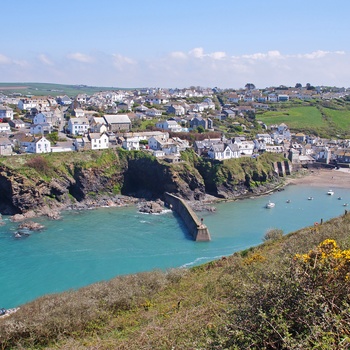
{"points": [[291, 292], [44, 89], [325, 120]]}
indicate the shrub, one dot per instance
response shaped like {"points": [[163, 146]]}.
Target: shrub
{"points": [[273, 234]]}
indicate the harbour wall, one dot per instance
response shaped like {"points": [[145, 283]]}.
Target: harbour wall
{"points": [[196, 228]]}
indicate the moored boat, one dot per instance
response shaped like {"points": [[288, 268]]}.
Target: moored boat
{"points": [[270, 205], [330, 192]]}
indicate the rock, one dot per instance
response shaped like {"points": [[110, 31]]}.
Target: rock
{"points": [[31, 225], [150, 207]]}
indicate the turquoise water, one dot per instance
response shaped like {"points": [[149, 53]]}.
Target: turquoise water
{"points": [[94, 245]]}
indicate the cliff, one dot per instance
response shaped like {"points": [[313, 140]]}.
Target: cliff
{"points": [[58, 181]]}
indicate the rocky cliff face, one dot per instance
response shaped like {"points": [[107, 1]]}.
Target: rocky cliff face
{"points": [[131, 173]]}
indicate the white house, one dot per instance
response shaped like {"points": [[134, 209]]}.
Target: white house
{"points": [[169, 125], [6, 112], [5, 146], [223, 151], [265, 137], [98, 141], [245, 147], [153, 113], [40, 129], [131, 143], [78, 126], [39, 145], [98, 124], [5, 127]]}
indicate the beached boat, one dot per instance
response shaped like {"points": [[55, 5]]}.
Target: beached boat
{"points": [[270, 205], [330, 192]]}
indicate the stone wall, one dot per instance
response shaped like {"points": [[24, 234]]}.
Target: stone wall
{"points": [[196, 228]]}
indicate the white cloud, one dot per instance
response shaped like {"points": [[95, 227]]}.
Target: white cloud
{"points": [[45, 60], [80, 57], [185, 68], [121, 62], [178, 54], [4, 59]]}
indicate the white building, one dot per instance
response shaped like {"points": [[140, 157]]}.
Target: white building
{"points": [[169, 125], [39, 145], [78, 126]]}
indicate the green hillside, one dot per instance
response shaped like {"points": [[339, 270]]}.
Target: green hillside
{"points": [[314, 119], [43, 89]]}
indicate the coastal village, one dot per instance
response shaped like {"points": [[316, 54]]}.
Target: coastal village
{"points": [[110, 119]]}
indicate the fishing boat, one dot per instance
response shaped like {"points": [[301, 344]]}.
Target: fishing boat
{"points": [[270, 205]]}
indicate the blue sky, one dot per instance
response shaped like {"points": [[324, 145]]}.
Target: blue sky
{"points": [[176, 43]]}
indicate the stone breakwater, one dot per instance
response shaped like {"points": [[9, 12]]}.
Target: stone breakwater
{"points": [[196, 228]]}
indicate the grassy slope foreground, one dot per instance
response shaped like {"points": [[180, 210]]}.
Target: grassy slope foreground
{"points": [[291, 292]]}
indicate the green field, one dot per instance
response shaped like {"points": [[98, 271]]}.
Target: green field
{"points": [[324, 122], [43, 89]]}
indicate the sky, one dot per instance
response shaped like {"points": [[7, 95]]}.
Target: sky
{"points": [[176, 43]]}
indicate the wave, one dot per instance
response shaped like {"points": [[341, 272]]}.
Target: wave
{"points": [[201, 259]]}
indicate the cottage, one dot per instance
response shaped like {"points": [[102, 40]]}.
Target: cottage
{"points": [[117, 122], [5, 127], [5, 147], [6, 112], [17, 123], [169, 125], [39, 145], [223, 151], [98, 141], [176, 110], [41, 129], [78, 126]]}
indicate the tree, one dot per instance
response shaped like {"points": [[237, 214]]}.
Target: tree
{"points": [[200, 129], [298, 85], [250, 86]]}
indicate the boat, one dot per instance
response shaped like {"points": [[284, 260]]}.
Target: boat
{"points": [[288, 201], [310, 198], [330, 192], [270, 205], [345, 204], [339, 198]]}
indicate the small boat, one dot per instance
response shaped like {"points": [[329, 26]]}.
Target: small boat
{"points": [[339, 198], [330, 192], [310, 198], [345, 204], [270, 205], [288, 201]]}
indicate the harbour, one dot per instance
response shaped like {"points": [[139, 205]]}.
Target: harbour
{"points": [[90, 246]]}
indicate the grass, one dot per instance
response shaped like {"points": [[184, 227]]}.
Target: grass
{"points": [[47, 89], [295, 118], [318, 120], [291, 292]]}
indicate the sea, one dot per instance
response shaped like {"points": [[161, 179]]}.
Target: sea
{"points": [[89, 246]]}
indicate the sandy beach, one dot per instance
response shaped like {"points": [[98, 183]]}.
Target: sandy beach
{"points": [[323, 177]]}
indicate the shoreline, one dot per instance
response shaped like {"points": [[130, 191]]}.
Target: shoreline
{"points": [[328, 178]]}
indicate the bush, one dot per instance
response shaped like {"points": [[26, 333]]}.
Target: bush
{"points": [[273, 234]]}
